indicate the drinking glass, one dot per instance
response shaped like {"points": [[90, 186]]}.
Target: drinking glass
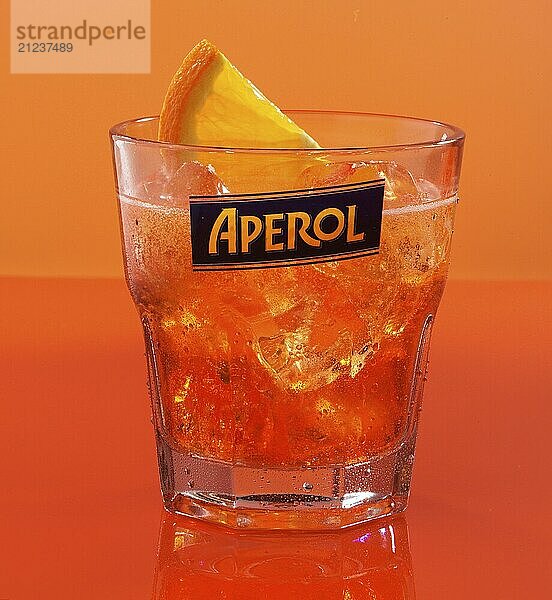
{"points": [[287, 298]]}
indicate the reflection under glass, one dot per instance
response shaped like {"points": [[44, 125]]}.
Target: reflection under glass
{"points": [[199, 560]]}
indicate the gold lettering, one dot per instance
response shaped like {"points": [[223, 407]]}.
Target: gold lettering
{"points": [[292, 234], [247, 236], [229, 216], [271, 231], [323, 214], [351, 219]]}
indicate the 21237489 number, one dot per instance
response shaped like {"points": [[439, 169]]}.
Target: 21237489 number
{"points": [[45, 47]]}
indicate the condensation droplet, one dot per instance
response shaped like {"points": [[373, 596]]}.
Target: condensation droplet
{"points": [[243, 521]]}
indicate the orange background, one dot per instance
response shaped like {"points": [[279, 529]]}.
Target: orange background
{"points": [[482, 65]]}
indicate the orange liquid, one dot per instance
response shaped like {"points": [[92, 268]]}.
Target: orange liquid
{"points": [[293, 366]]}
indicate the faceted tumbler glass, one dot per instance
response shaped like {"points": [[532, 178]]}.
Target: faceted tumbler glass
{"points": [[286, 388]]}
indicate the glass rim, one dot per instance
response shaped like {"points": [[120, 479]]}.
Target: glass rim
{"points": [[117, 132]]}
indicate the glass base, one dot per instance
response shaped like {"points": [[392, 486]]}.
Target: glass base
{"points": [[308, 498]]}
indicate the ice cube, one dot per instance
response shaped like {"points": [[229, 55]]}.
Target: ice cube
{"points": [[325, 174], [416, 243], [318, 339], [192, 178], [299, 365], [173, 186], [400, 187], [414, 240]]}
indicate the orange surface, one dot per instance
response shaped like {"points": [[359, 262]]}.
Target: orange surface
{"points": [[80, 503], [482, 66]]}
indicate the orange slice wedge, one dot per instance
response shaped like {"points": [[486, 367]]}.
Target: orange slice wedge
{"points": [[210, 103]]}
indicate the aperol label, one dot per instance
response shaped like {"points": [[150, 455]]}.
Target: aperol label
{"points": [[248, 231]]}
